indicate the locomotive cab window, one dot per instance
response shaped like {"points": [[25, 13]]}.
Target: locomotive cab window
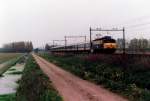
{"points": [[109, 41]]}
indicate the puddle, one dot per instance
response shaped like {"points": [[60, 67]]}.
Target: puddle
{"points": [[8, 82]]}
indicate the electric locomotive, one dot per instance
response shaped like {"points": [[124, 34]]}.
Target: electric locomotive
{"points": [[104, 45]]}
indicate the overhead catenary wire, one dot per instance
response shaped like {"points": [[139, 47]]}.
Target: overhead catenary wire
{"points": [[134, 20], [138, 25]]}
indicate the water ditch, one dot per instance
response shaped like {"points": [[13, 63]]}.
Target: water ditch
{"points": [[8, 81]]}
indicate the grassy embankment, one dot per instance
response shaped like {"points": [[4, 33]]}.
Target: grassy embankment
{"points": [[126, 76], [34, 85]]}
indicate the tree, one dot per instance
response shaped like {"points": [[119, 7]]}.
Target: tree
{"points": [[18, 47], [133, 45], [47, 47], [138, 44]]}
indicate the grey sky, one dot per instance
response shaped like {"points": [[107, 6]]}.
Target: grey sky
{"points": [[41, 21]]}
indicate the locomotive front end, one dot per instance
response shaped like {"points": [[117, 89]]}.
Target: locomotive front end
{"points": [[104, 45], [110, 45]]}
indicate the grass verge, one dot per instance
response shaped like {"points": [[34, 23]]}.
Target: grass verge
{"points": [[129, 80], [34, 85]]}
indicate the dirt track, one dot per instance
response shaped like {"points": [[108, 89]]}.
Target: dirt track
{"points": [[73, 88]]}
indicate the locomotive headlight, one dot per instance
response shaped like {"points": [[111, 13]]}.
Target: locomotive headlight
{"points": [[110, 45]]}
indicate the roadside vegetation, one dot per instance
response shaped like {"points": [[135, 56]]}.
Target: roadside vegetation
{"points": [[35, 85], [127, 76]]}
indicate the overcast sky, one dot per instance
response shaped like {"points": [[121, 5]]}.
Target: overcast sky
{"points": [[41, 21]]}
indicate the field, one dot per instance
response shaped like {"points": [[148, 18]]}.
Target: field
{"points": [[7, 60], [7, 56], [127, 76]]}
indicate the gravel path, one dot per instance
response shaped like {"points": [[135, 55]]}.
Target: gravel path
{"points": [[73, 88]]}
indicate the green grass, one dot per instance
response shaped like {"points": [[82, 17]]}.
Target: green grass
{"points": [[35, 85], [8, 97], [131, 82]]}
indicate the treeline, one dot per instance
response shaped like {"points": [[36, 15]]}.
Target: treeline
{"points": [[18, 47], [135, 44]]}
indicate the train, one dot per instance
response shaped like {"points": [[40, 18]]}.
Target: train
{"points": [[104, 44]]}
